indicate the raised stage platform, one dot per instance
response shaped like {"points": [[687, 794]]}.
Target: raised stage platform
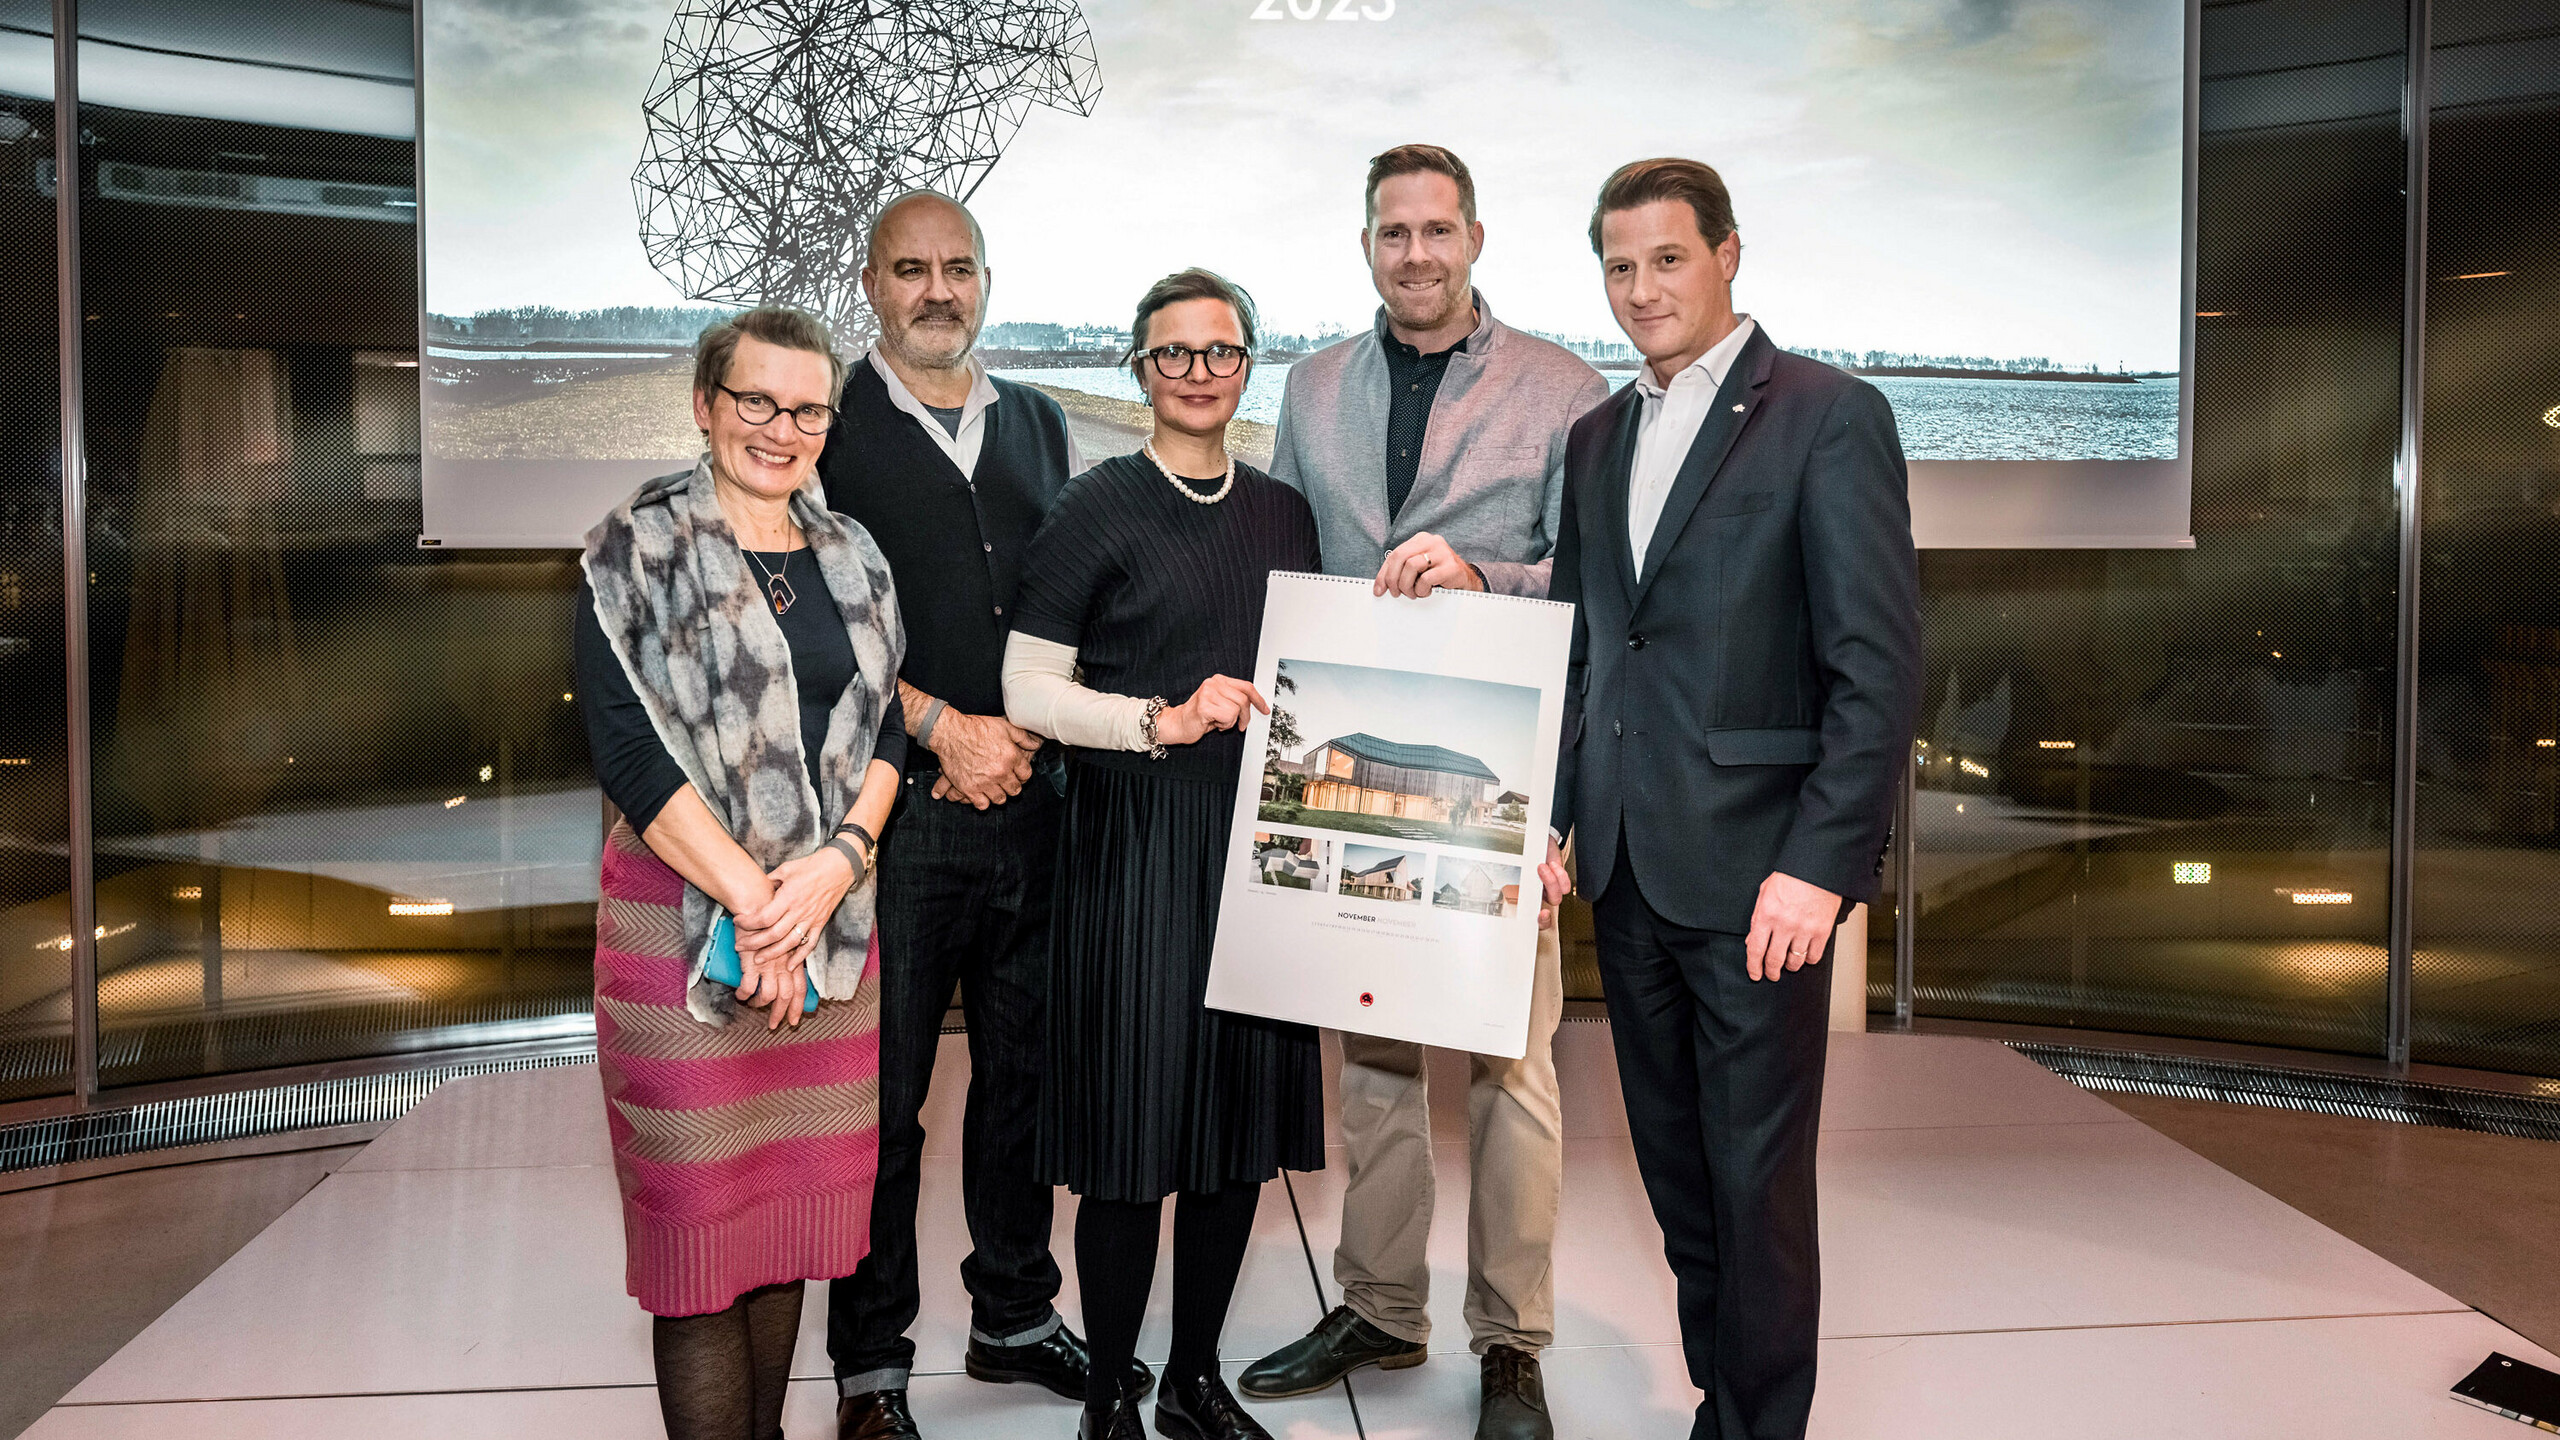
{"points": [[2004, 1256]]}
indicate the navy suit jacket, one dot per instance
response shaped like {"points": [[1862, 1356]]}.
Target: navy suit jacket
{"points": [[1747, 706]]}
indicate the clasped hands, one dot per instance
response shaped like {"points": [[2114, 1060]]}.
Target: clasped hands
{"points": [[1790, 926], [986, 759], [777, 936]]}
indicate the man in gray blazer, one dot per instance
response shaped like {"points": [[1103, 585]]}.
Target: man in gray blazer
{"points": [[1432, 451]]}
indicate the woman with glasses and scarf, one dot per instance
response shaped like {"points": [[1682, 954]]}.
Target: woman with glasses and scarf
{"points": [[1141, 605], [737, 649]]}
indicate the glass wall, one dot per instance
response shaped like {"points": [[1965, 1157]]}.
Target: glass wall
{"points": [[35, 912], [2487, 975], [342, 804], [2154, 786]]}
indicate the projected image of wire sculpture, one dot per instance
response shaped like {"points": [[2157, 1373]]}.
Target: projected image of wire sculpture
{"points": [[776, 129]]}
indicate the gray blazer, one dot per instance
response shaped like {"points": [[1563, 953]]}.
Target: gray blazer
{"points": [[1491, 481]]}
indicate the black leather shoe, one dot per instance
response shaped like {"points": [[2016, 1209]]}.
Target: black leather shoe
{"points": [[875, 1415], [1056, 1361], [1515, 1397], [1123, 1424], [1341, 1343], [1204, 1409]]}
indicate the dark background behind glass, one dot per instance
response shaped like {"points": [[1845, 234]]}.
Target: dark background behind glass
{"points": [[35, 912], [2156, 789], [2487, 978]]}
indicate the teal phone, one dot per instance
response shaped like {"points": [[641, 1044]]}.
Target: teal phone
{"points": [[721, 966]]}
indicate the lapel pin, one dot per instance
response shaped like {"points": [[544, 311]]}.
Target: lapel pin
{"points": [[1737, 409]]}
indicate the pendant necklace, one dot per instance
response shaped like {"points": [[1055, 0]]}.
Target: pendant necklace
{"points": [[777, 583], [1187, 492]]}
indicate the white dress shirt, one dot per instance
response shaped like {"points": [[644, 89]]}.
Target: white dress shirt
{"points": [[963, 447], [1665, 429]]}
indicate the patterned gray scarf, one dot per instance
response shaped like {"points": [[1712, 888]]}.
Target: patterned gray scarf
{"points": [[696, 633]]}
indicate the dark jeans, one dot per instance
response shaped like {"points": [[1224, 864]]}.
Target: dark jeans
{"points": [[964, 896], [1723, 1079]]}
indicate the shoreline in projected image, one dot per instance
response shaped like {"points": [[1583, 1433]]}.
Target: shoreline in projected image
{"points": [[1356, 750], [634, 404]]}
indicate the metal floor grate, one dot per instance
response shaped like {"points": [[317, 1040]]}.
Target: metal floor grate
{"points": [[205, 1119], [2325, 1092]]}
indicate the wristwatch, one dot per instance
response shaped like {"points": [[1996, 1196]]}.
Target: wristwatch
{"points": [[1147, 727]]}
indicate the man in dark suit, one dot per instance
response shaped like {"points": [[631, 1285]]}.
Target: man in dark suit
{"points": [[1736, 540]]}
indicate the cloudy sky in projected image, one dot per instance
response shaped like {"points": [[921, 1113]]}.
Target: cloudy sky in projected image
{"points": [[1991, 177]]}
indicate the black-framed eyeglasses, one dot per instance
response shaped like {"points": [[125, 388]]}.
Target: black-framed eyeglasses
{"points": [[1173, 362], [757, 408]]}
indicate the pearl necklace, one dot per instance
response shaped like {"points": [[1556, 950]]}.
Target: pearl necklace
{"points": [[1188, 493]]}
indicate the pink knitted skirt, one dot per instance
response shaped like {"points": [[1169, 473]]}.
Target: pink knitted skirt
{"points": [[746, 1156]]}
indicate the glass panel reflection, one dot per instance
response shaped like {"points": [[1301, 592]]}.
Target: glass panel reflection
{"points": [[341, 790], [2487, 981], [35, 956], [2153, 786]]}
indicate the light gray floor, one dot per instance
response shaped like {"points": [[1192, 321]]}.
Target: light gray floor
{"points": [[2005, 1255], [85, 1266]]}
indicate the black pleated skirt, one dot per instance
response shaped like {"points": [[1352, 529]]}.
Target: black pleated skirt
{"points": [[1148, 1091]]}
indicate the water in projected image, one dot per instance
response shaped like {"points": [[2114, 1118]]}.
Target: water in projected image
{"points": [[1939, 419]]}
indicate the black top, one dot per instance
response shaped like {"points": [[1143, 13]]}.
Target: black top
{"points": [[1158, 593], [954, 542], [632, 764], [1414, 382], [949, 415]]}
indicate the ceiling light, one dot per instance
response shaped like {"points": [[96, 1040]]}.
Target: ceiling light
{"points": [[2192, 872]]}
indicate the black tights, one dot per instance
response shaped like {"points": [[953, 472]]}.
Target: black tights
{"points": [[722, 1376], [1116, 1267]]}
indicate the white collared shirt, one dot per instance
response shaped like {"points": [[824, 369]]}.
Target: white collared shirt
{"points": [[963, 447], [1666, 427]]}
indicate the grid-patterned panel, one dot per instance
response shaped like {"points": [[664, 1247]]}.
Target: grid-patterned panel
{"points": [[241, 1114], [2451, 1107], [2487, 989], [35, 968], [342, 799]]}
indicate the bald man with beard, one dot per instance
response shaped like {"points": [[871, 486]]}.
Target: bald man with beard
{"points": [[951, 470]]}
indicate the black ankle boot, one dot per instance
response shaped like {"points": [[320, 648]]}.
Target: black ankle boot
{"points": [[1202, 1408]]}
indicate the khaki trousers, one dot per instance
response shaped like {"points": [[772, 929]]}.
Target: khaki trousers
{"points": [[1515, 1155]]}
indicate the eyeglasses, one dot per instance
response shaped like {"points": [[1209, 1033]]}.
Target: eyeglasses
{"points": [[757, 408], [1173, 362]]}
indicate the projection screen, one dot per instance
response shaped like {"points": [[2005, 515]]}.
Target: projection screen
{"points": [[1984, 206]]}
